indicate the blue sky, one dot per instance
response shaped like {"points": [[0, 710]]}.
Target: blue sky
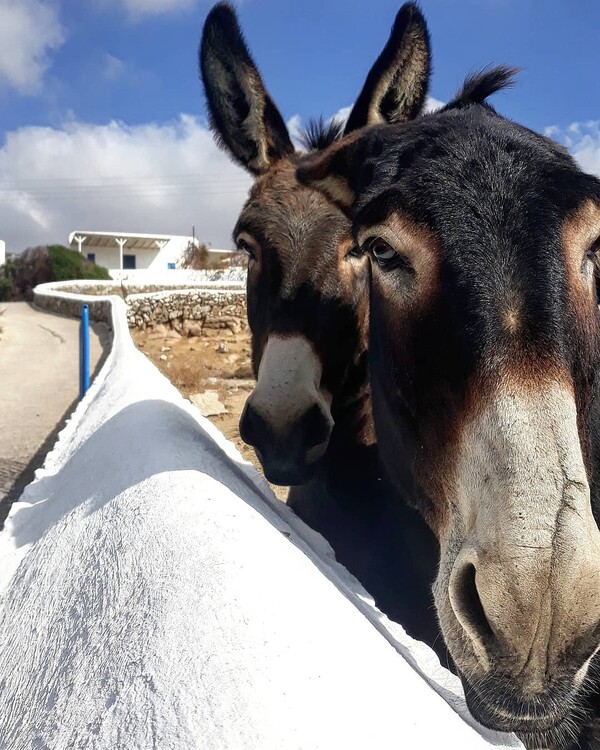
{"points": [[68, 69]]}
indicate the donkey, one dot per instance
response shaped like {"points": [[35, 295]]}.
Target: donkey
{"points": [[484, 352], [309, 417]]}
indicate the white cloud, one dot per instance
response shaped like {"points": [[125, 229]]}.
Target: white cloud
{"points": [[29, 31], [113, 67], [343, 114], [147, 178], [294, 126], [137, 8], [583, 141], [432, 104]]}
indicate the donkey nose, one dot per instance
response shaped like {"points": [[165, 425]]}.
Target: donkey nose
{"points": [[287, 454], [526, 617]]}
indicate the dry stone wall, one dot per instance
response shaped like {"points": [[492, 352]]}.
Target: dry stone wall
{"points": [[189, 312], [48, 297]]}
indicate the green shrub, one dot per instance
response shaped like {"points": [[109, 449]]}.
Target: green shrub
{"points": [[9, 269], [66, 265], [6, 288]]}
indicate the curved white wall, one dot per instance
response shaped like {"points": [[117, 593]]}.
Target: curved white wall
{"points": [[154, 594]]}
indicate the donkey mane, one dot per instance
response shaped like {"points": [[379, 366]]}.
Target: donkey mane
{"points": [[483, 83], [319, 134]]}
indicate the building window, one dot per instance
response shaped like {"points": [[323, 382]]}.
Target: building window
{"points": [[92, 257], [171, 266], [129, 262]]}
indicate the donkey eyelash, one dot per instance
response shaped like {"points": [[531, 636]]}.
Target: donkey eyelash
{"points": [[591, 258], [244, 246], [356, 251], [594, 249], [386, 256]]}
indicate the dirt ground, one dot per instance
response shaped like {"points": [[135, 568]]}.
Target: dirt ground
{"points": [[214, 371]]}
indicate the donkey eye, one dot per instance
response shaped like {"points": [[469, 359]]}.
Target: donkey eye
{"points": [[591, 257], [593, 251], [382, 251], [245, 247]]}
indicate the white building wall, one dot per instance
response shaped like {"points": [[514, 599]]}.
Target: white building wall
{"points": [[110, 257], [105, 256], [172, 252], [2, 252]]}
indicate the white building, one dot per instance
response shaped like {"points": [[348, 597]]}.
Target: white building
{"points": [[128, 251], [2, 252]]}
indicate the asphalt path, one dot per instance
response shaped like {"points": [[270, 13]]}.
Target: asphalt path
{"points": [[39, 387]]}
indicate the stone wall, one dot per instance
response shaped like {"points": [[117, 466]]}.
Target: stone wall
{"points": [[189, 312], [46, 298]]}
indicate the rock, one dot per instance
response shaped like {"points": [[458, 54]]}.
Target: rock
{"points": [[163, 357], [192, 328], [244, 372], [222, 347], [234, 385], [208, 403]]}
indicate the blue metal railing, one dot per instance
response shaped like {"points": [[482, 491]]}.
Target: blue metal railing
{"points": [[84, 351]]}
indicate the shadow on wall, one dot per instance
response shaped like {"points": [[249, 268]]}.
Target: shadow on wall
{"points": [[145, 439], [152, 437]]}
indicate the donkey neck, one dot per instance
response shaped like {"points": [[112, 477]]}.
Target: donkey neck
{"points": [[351, 459]]}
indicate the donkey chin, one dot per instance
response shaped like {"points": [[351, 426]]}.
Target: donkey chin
{"points": [[545, 713], [547, 720]]}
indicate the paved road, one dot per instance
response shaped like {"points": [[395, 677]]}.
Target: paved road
{"points": [[39, 385]]}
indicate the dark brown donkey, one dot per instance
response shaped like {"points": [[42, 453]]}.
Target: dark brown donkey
{"points": [[309, 417], [484, 355]]}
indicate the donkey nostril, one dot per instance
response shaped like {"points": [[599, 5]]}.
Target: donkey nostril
{"points": [[316, 427], [253, 427], [467, 605]]}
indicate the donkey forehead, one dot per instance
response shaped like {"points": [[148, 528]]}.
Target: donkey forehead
{"points": [[296, 227], [470, 173]]}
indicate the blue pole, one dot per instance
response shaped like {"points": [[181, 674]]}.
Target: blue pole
{"points": [[84, 351]]}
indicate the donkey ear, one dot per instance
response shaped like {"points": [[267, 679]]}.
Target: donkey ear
{"points": [[397, 84], [242, 113], [331, 171]]}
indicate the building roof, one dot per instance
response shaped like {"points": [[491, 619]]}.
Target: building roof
{"points": [[135, 240]]}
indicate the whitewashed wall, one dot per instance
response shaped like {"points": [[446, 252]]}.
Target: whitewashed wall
{"points": [[154, 594]]}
